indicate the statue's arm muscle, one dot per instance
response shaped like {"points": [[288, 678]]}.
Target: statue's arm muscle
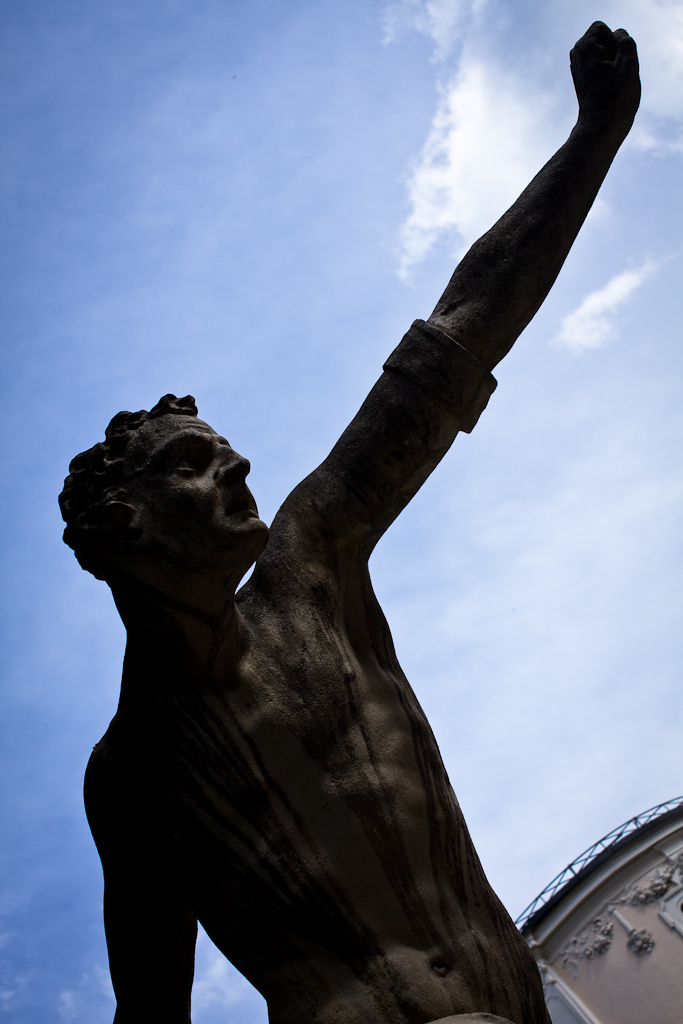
{"points": [[431, 388], [150, 927], [437, 381]]}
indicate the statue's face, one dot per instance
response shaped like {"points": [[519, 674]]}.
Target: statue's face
{"points": [[188, 489]]}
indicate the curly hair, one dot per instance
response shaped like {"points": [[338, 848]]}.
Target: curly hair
{"points": [[95, 478]]}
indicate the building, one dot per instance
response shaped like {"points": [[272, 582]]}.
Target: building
{"points": [[608, 931]]}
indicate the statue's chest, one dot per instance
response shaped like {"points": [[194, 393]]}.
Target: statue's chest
{"points": [[313, 726]]}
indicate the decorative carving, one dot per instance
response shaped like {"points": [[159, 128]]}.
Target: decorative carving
{"points": [[591, 942], [671, 909], [656, 888], [547, 976], [597, 938], [640, 942]]}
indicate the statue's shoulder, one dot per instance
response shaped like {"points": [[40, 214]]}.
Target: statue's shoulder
{"points": [[300, 564], [283, 593]]}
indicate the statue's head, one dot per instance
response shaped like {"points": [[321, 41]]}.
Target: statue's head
{"points": [[162, 485]]}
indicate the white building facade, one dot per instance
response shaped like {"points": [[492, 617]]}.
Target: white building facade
{"points": [[608, 931]]}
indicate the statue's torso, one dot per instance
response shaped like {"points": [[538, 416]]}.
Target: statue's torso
{"points": [[326, 851]]}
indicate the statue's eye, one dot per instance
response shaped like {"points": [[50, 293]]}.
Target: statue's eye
{"points": [[192, 456]]}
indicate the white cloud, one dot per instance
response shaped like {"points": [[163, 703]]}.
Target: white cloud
{"points": [[657, 27], [494, 128], [439, 20], [591, 324], [92, 1001], [489, 136], [14, 989]]}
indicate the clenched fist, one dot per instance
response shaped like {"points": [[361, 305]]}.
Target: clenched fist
{"points": [[605, 71]]}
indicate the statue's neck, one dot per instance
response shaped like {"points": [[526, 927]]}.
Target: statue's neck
{"points": [[167, 634]]}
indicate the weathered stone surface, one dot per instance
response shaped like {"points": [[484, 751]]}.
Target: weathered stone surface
{"points": [[269, 771]]}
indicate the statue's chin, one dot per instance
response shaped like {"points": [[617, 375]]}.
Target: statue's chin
{"points": [[232, 553]]}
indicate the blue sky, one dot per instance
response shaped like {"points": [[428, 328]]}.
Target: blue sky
{"points": [[251, 202]]}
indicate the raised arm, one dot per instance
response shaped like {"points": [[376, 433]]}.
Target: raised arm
{"points": [[506, 275], [438, 379]]}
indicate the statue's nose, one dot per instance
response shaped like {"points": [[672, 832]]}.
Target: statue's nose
{"points": [[232, 466]]}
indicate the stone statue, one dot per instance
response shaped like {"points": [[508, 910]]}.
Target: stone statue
{"points": [[269, 771]]}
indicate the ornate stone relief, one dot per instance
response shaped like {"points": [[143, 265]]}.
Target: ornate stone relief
{"points": [[597, 938], [657, 886], [591, 942], [671, 909], [640, 942]]}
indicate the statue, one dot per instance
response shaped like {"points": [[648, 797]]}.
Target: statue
{"points": [[269, 771]]}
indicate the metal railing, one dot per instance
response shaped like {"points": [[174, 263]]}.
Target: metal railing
{"points": [[613, 837]]}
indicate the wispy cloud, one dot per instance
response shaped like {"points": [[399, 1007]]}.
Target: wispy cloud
{"points": [[93, 1000], [657, 27], [591, 325], [439, 20], [488, 138], [496, 123]]}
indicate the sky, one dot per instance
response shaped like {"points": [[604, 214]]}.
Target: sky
{"points": [[250, 202]]}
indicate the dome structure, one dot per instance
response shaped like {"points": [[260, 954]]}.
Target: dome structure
{"points": [[607, 932]]}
